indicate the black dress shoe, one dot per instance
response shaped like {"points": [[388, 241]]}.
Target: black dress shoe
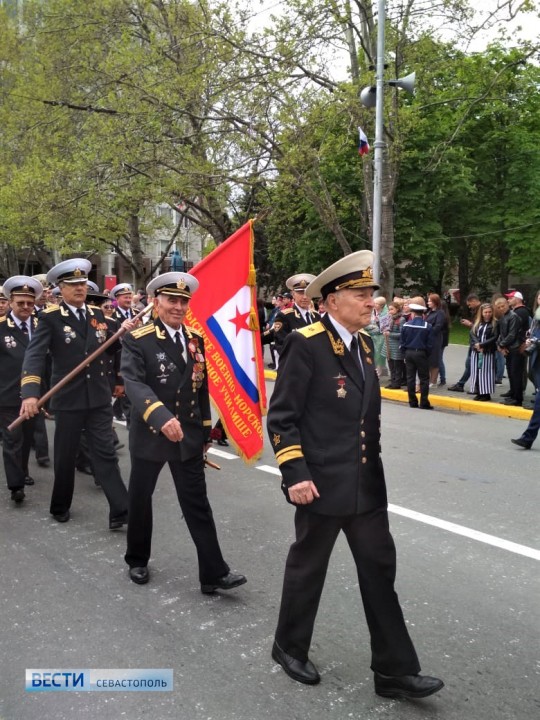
{"points": [[17, 495], [223, 443], [227, 582], [456, 388], [61, 517], [117, 523], [304, 672], [513, 403], [413, 405], [522, 443], [139, 575], [120, 418], [506, 394], [407, 686], [426, 406], [43, 462], [29, 480], [85, 469]]}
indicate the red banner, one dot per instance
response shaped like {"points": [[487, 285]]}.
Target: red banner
{"points": [[224, 311]]}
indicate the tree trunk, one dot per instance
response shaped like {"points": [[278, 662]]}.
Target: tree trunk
{"points": [[137, 254], [9, 264]]}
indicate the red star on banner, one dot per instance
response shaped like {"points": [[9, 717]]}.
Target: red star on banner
{"points": [[240, 320]]}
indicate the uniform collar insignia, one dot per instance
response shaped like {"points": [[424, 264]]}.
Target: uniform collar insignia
{"points": [[161, 334], [338, 346]]}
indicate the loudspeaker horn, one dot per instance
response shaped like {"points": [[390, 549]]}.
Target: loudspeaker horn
{"points": [[368, 97], [405, 83]]}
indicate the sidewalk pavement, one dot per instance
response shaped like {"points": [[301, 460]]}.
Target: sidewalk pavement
{"points": [[454, 360]]}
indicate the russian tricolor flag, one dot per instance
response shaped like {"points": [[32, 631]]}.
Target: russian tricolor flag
{"points": [[363, 145]]}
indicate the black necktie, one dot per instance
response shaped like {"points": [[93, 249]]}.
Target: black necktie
{"points": [[356, 356], [308, 317], [24, 328], [82, 320]]}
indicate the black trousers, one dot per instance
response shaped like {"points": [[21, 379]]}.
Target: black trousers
{"points": [[515, 364], [41, 439], [374, 553], [416, 361], [97, 422], [190, 484], [397, 372], [16, 446]]}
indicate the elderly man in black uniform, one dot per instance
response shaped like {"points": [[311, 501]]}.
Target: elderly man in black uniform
{"points": [[16, 329], [324, 425], [164, 371], [70, 332], [296, 316]]}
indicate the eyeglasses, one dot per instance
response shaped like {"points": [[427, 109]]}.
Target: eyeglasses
{"points": [[106, 307], [23, 303]]}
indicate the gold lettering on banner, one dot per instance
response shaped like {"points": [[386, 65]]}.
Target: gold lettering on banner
{"points": [[237, 412]]}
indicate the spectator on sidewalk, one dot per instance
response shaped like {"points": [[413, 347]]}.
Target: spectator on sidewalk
{"points": [[473, 303], [508, 343], [483, 348], [416, 343]]}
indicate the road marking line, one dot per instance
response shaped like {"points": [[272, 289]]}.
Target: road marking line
{"points": [[449, 526], [222, 454], [467, 532], [268, 469]]}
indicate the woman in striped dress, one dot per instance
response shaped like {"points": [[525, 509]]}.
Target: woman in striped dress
{"points": [[483, 347]]}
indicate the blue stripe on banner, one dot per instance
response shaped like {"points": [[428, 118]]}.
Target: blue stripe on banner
{"points": [[239, 372]]}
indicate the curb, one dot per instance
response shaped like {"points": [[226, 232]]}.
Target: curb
{"points": [[450, 403]]}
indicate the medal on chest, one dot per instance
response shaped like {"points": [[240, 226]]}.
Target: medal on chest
{"points": [[69, 334], [341, 390]]}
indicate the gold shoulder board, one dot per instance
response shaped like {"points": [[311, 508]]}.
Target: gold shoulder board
{"points": [[51, 308], [287, 311], [3, 318], [364, 332], [143, 330], [311, 330]]}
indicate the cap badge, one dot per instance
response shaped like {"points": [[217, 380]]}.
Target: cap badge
{"points": [[181, 285], [77, 272]]}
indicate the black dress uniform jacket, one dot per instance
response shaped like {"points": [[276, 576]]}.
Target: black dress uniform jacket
{"points": [[16, 444], [160, 386], [69, 343], [288, 320], [13, 346], [319, 378]]}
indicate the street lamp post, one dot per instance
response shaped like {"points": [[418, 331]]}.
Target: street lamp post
{"points": [[379, 146]]}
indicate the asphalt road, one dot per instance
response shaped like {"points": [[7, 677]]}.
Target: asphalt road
{"points": [[472, 606]]}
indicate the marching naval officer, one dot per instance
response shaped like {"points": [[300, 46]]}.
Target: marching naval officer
{"points": [[70, 332], [298, 315], [123, 294], [16, 329], [324, 426], [164, 372]]}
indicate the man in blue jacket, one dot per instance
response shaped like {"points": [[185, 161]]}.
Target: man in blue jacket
{"points": [[416, 342]]}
